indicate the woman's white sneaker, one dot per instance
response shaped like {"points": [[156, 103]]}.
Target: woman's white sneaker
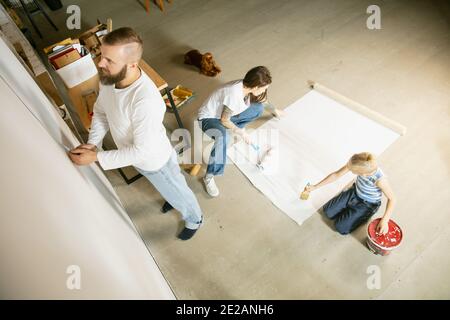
{"points": [[211, 187]]}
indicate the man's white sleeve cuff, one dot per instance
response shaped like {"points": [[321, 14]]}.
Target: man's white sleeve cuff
{"points": [[93, 142], [100, 159]]}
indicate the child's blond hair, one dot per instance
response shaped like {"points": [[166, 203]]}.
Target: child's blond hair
{"points": [[365, 162]]}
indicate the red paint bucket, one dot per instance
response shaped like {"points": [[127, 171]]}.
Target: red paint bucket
{"points": [[383, 244]]}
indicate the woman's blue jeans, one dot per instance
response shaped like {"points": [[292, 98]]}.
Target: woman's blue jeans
{"points": [[215, 129]]}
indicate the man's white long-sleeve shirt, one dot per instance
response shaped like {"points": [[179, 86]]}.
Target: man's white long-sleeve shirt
{"points": [[134, 115]]}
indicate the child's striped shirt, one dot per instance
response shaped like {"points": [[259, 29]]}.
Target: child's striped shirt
{"points": [[366, 188]]}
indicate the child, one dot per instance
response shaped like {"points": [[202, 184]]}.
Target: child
{"points": [[353, 207]]}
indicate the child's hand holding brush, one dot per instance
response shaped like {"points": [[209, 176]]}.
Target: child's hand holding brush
{"points": [[305, 193]]}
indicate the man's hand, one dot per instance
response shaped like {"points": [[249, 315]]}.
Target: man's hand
{"points": [[382, 227], [88, 146], [82, 155]]}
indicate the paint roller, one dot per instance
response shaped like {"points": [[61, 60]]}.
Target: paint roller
{"points": [[260, 158], [265, 158], [255, 146], [357, 107]]}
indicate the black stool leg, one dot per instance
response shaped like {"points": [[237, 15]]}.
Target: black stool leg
{"points": [[129, 181], [30, 18], [177, 116], [45, 15]]}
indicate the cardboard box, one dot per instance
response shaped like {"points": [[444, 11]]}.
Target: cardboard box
{"points": [[65, 42], [89, 41], [78, 71], [89, 99], [66, 58], [94, 29]]}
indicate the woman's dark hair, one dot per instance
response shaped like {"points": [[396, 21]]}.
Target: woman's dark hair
{"points": [[258, 77]]}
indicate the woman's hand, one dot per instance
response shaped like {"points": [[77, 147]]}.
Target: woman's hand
{"points": [[278, 113], [383, 226], [244, 135]]}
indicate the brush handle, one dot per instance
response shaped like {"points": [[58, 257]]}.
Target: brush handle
{"points": [[305, 194]]}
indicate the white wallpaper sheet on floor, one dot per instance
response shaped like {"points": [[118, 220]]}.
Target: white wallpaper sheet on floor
{"points": [[316, 136]]}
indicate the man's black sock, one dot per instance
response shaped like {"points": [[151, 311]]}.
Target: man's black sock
{"points": [[166, 207], [187, 233]]}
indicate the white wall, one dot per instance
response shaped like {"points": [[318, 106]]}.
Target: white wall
{"points": [[54, 214]]}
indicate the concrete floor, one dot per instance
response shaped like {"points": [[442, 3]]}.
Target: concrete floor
{"points": [[248, 249]]}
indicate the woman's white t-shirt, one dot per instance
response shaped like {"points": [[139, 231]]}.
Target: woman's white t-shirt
{"points": [[230, 95]]}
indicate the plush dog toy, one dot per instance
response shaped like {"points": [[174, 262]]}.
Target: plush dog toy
{"points": [[204, 62]]}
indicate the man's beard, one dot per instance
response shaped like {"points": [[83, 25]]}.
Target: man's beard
{"points": [[110, 79]]}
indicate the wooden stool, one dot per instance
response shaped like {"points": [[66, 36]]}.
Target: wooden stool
{"points": [[193, 169]]}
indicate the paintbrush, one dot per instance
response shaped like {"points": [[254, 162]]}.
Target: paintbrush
{"points": [[305, 194], [263, 156]]}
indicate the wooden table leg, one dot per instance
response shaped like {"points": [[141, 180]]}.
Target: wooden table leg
{"points": [[160, 4], [177, 116], [193, 169]]}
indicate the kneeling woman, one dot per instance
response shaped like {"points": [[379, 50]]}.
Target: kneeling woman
{"points": [[231, 107]]}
